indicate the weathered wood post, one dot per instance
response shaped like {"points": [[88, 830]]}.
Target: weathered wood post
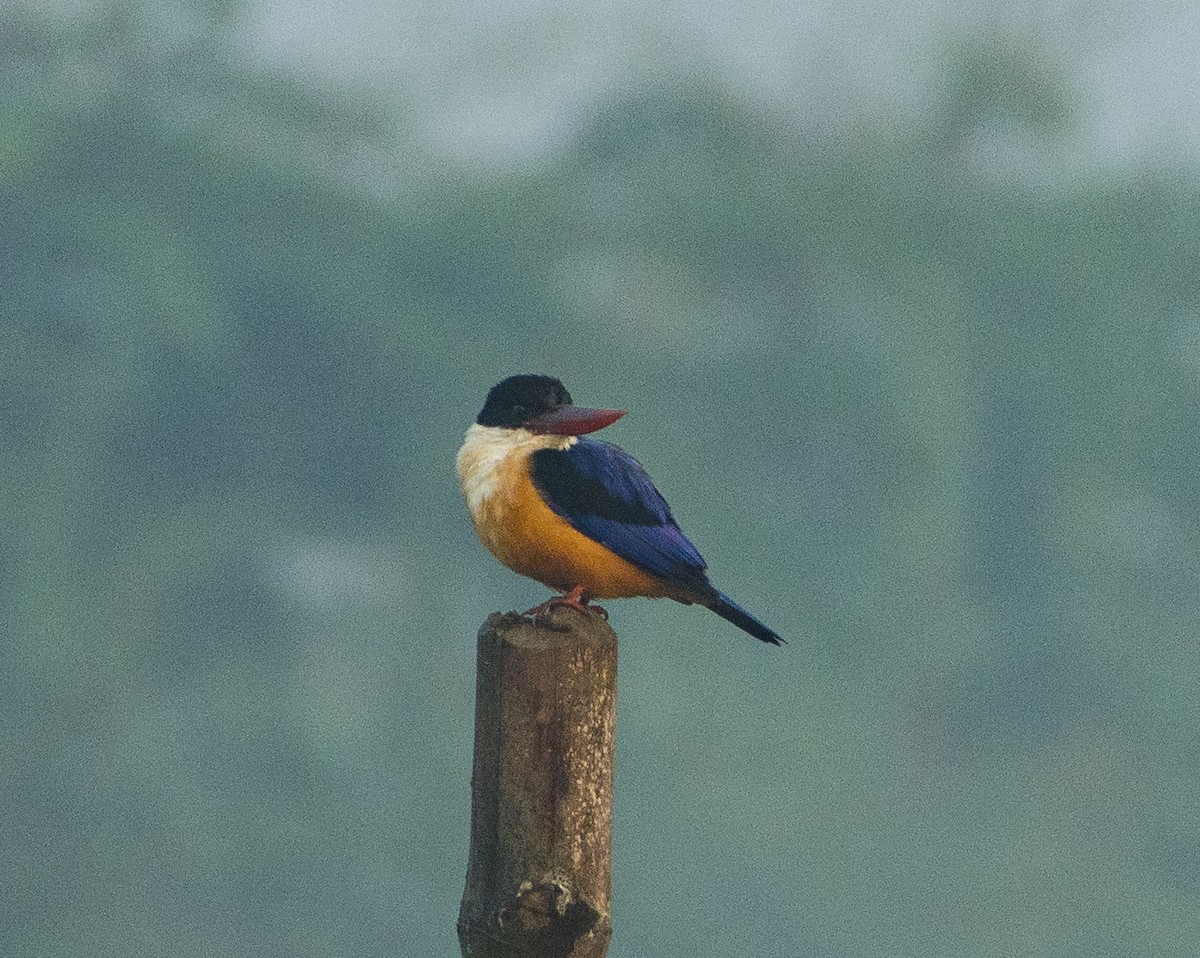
{"points": [[539, 874]]}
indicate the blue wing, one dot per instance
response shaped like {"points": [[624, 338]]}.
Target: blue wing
{"points": [[605, 493]]}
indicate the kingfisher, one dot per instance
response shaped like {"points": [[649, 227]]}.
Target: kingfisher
{"points": [[576, 514]]}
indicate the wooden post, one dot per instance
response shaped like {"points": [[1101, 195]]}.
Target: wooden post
{"points": [[539, 875]]}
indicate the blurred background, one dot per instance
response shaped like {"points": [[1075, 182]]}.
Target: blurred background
{"points": [[904, 303]]}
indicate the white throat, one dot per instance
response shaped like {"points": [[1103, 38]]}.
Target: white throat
{"points": [[488, 451]]}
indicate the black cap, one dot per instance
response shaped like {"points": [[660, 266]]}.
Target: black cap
{"points": [[517, 399]]}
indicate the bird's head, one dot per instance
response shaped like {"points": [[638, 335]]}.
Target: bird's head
{"points": [[541, 404]]}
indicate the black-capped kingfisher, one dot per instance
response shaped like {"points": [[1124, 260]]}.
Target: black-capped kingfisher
{"points": [[578, 515]]}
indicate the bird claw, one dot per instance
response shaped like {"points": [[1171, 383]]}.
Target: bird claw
{"points": [[574, 599]]}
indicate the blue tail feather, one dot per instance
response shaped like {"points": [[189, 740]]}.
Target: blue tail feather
{"points": [[729, 610]]}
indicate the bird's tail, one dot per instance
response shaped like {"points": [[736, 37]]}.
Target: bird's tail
{"points": [[729, 610]]}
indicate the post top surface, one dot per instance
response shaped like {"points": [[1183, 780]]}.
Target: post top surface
{"points": [[561, 627]]}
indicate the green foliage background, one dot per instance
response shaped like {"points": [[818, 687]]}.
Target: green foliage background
{"points": [[933, 419]]}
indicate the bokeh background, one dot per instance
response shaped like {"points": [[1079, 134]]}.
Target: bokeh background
{"points": [[904, 302]]}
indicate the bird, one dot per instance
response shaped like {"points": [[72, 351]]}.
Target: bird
{"points": [[577, 514]]}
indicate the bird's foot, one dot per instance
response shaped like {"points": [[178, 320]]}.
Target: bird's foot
{"points": [[575, 599]]}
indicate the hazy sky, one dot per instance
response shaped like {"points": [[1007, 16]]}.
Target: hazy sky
{"points": [[496, 80]]}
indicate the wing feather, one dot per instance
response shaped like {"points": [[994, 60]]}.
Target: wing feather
{"points": [[604, 492]]}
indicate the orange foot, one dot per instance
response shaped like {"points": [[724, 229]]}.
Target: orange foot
{"points": [[575, 599]]}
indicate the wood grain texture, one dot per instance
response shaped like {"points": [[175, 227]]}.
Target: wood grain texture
{"points": [[539, 872]]}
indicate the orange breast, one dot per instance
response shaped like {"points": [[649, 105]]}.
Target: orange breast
{"points": [[528, 537]]}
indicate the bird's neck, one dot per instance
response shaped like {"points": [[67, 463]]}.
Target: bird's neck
{"points": [[490, 453]]}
